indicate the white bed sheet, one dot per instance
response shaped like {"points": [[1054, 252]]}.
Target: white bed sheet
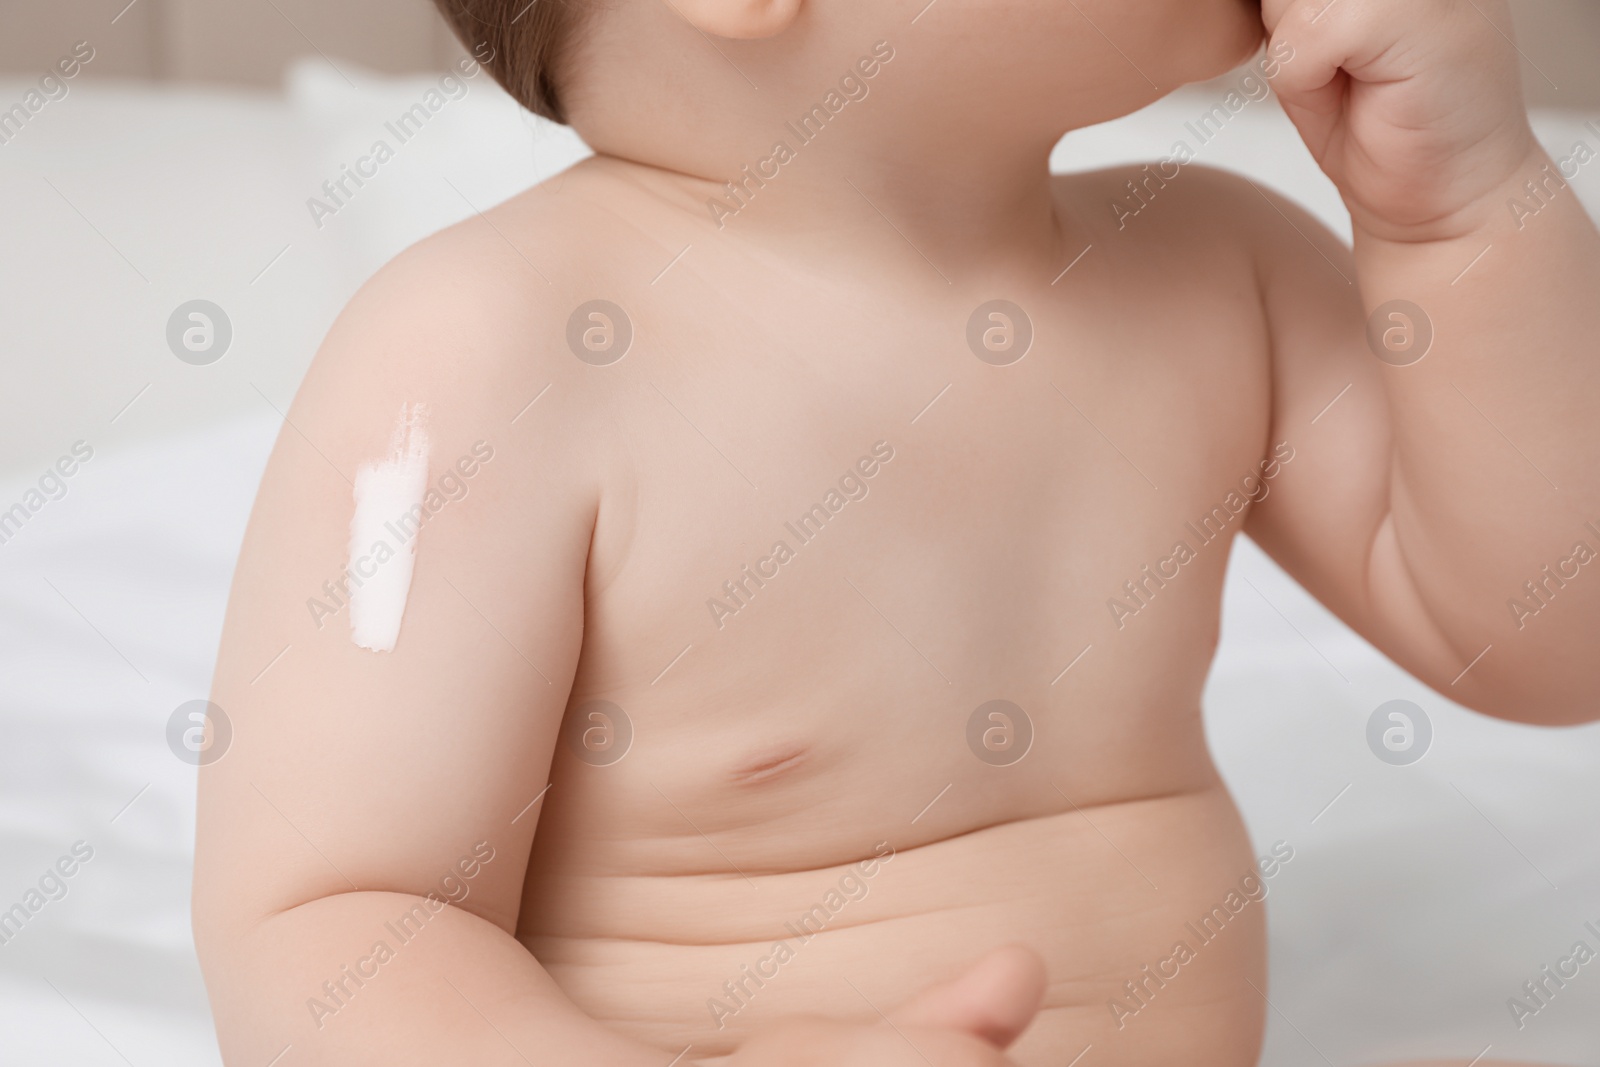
{"points": [[1419, 901]]}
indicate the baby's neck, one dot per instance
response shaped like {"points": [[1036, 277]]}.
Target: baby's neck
{"points": [[973, 212]]}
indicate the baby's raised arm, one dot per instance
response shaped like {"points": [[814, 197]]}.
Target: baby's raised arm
{"points": [[363, 841], [1438, 382]]}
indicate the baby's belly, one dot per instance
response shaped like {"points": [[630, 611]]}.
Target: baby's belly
{"points": [[1149, 914]]}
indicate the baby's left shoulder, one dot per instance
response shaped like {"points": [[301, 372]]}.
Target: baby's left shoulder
{"points": [[1210, 215], [1209, 233]]}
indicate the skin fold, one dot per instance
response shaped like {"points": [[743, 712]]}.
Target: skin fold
{"points": [[807, 745]]}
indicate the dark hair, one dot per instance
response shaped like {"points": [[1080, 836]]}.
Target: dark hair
{"points": [[520, 43]]}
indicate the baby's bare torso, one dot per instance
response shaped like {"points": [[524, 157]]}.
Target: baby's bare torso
{"points": [[834, 533]]}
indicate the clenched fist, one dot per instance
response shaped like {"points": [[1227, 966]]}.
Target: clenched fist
{"points": [[1413, 107]]}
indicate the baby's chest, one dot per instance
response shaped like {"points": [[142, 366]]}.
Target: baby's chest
{"points": [[951, 525]]}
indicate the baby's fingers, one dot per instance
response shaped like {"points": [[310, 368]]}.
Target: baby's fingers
{"points": [[1373, 41]]}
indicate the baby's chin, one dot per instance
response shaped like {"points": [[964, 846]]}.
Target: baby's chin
{"points": [[1216, 37], [1161, 45], [1198, 48]]}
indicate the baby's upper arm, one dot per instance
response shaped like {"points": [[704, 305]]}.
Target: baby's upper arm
{"points": [[1327, 519], [352, 769]]}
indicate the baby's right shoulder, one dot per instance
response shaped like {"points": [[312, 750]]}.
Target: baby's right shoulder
{"points": [[531, 287], [495, 289], [496, 326]]}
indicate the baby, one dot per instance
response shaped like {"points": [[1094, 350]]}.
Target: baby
{"points": [[746, 601]]}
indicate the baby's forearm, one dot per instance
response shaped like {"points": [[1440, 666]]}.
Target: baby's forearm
{"points": [[1496, 438], [364, 978]]}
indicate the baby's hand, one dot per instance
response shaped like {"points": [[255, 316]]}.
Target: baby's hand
{"points": [[964, 1023], [1413, 107]]}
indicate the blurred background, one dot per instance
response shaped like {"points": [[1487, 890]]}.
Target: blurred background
{"points": [[176, 165]]}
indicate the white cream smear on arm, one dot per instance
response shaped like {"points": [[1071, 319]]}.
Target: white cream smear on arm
{"points": [[386, 491]]}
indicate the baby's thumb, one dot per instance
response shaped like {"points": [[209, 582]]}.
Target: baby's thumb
{"points": [[995, 999]]}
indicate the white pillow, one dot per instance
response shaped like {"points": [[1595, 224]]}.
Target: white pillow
{"points": [[467, 146]]}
